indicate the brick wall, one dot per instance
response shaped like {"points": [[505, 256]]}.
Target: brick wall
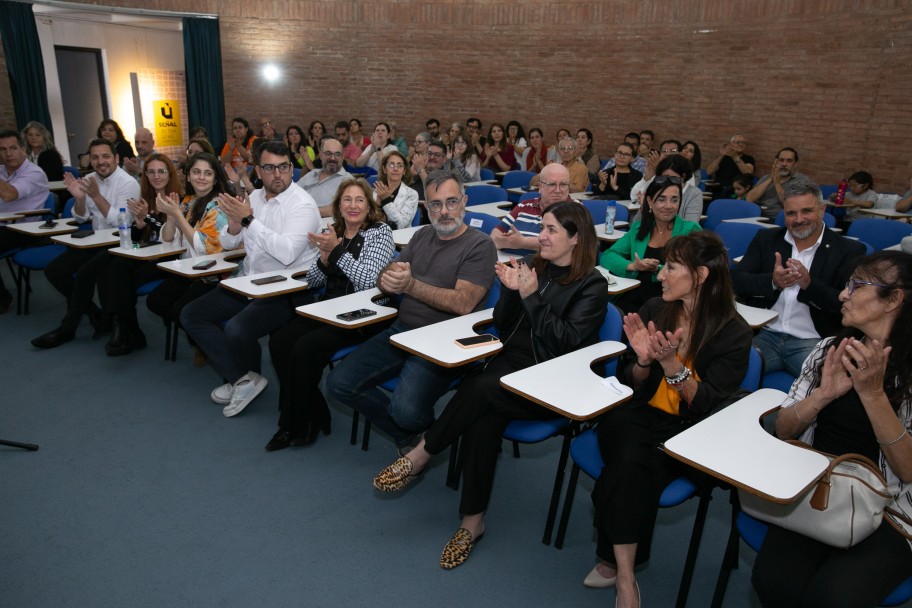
{"points": [[829, 77]]}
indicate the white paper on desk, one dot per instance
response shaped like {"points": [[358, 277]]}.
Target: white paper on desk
{"points": [[615, 386]]}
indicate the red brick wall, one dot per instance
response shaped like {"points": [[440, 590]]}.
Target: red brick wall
{"points": [[829, 77]]}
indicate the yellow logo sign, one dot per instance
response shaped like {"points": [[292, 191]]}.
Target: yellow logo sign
{"points": [[167, 123]]}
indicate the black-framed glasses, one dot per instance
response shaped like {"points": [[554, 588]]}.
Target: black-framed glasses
{"points": [[554, 185], [451, 204], [853, 284], [436, 154], [270, 169], [154, 172], [331, 154], [668, 179]]}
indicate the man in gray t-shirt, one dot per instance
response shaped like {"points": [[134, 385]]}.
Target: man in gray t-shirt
{"points": [[768, 191], [323, 183], [444, 272]]}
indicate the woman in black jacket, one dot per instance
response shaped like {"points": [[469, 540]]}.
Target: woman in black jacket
{"points": [[551, 303]]}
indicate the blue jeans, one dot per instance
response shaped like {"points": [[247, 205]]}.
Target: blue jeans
{"points": [[783, 352], [355, 381]]}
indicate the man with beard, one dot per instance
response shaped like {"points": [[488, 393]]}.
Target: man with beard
{"points": [[444, 272], [768, 193], [322, 183], [797, 271], [432, 126], [99, 197], [272, 226]]}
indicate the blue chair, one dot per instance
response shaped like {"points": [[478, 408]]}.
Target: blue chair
{"points": [[827, 189], [780, 380], [516, 179], [753, 531], [597, 209], [879, 234], [737, 237], [528, 196], [296, 174], [72, 171], [483, 221], [728, 209], [372, 179], [478, 195], [364, 172], [486, 174], [829, 220]]}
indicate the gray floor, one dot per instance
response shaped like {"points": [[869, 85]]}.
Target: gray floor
{"points": [[143, 494]]}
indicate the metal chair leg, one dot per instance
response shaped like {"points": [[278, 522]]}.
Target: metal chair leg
{"points": [[695, 537], [558, 484], [568, 505]]}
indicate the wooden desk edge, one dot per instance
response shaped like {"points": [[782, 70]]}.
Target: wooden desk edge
{"points": [[363, 323], [267, 295], [445, 363]]}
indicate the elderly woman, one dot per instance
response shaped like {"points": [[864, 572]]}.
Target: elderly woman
{"points": [[854, 395], [640, 253], [690, 350], [118, 282], [379, 145], [551, 303], [398, 201], [41, 150], [352, 254], [196, 225]]}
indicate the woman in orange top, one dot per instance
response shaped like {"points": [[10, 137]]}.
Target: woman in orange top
{"points": [[238, 145]]}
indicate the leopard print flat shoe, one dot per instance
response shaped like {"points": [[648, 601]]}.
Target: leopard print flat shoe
{"points": [[458, 549], [395, 477]]}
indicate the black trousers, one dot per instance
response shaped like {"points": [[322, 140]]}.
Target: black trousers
{"points": [[479, 412], [168, 299], [74, 274], [300, 350], [793, 570], [626, 494], [118, 282]]}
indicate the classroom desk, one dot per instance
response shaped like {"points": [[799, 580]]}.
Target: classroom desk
{"points": [[10, 217], [327, 310], [58, 185], [482, 182], [616, 284], [891, 214], [580, 196], [756, 317], [245, 287], [520, 191], [35, 229], [567, 385], [402, 236], [101, 238], [152, 252], [436, 342], [224, 262], [496, 209], [757, 221], [31, 212], [732, 445], [609, 238]]}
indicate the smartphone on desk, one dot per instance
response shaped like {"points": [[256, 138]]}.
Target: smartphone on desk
{"points": [[149, 244], [276, 278], [474, 341], [48, 224], [204, 265], [81, 234], [355, 315]]}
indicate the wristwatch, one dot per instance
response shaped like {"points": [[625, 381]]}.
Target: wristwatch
{"points": [[246, 221]]}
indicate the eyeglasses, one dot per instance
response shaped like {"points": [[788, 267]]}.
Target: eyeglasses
{"points": [[669, 151], [739, 142], [567, 149], [331, 154], [853, 284], [668, 179], [436, 154], [555, 185], [451, 204], [154, 172], [270, 169], [623, 154], [395, 166]]}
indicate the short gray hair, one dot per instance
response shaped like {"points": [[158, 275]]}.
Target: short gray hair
{"points": [[440, 176], [425, 137], [799, 186]]}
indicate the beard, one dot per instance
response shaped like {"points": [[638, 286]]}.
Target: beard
{"points": [[449, 226]]}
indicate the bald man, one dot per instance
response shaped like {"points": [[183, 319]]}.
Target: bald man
{"points": [[519, 230], [145, 145]]}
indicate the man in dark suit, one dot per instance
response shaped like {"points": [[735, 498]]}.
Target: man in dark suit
{"points": [[798, 271]]}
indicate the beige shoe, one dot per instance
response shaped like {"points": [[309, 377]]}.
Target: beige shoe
{"points": [[595, 580]]}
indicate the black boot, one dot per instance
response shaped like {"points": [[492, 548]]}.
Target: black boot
{"points": [[119, 344], [100, 321]]}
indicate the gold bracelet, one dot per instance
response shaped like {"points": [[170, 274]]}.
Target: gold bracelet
{"points": [[798, 416], [903, 434]]}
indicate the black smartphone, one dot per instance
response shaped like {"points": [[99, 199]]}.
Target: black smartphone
{"points": [[149, 244], [204, 265], [48, 224], [354, 315], [81, 234], [276, 278], [474, 341]]}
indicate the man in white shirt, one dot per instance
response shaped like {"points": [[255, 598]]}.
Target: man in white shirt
{"points": [[797, 271], [23, 187], [272, 225], [322, 183], [99, 197]]}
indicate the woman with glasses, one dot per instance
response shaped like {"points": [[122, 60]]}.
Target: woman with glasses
{"points": [[498, 153], [379, 145], [118, 283], [551, 303], [616, 182], [689, 350], [674, 165], [640, 253], [398, 201], [465, 158], [854, 394]]}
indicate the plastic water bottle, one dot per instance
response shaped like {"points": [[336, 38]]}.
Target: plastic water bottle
{"points": [[610, 213], [126, 239]]}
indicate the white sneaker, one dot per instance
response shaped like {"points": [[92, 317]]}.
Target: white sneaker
{"points": [[222, 394], [246, 390]]}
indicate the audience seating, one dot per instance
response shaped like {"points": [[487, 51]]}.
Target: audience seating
{"points": [[879, 234], [479, 195], [72, 171], [483, 221], [528, 196], [37, 258], [516, 179], [736, 237], [728, 209], [597, 209], [487, 174]]}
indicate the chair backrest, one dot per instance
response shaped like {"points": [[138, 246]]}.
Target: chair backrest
{"points": [[50, 203], [878, 233], [726, 209], [482, 221], [597, 209], [486, 174], [737, 236], [416, 221], [612, 329], [517, 179], [751, 381], [827, 189], [527, 195], [371, 179], [296, 174], [828, 219], [72, 171], [68, 207], [493, 294], [478, 195]]}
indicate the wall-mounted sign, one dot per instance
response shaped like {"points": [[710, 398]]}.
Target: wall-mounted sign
{"points": [[167, 123]]}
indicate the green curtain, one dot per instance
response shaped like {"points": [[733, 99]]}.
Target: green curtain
{"points": [[203, 64], [24, 63]]}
